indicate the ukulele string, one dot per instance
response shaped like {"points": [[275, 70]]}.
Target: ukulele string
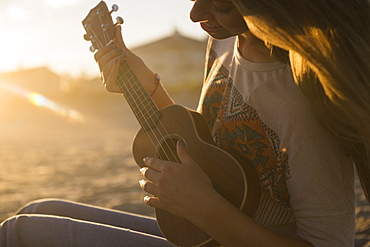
{"points": [[100, 45], [155, 121], [142, 103], [124, 88], [95, 36], [161, 136], [149, 118], [147, 121], [104, 28], [160, 126], [122, 85]]}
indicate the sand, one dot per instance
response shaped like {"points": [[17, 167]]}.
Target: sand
{"points": [[42, 155]]}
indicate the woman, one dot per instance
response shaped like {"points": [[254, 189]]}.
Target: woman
{"points": [[329, 49]]}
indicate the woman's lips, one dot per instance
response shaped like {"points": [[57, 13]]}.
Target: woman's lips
{"points": [[209, 28]]}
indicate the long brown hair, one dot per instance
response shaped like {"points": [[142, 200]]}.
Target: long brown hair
{"points": [[329, 45]]}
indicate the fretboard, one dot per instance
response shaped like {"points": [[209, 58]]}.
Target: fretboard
{"points": [[141, 103]]}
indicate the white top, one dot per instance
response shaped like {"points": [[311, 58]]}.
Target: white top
{"points": [[257, 110]]}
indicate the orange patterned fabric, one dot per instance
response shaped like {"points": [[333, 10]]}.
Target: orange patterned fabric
{"points": [[236, 127]]}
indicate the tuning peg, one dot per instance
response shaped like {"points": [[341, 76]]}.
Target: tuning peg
{"points": [[119, 20], [114, 8], [92, 48], [87, 37]]}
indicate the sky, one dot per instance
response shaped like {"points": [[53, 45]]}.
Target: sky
{"points": [[49, 32]]}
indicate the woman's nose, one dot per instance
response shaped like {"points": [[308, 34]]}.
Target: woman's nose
{"points": [[200, 11]]}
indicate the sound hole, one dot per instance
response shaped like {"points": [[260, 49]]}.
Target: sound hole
{"points": [[167, 150]]}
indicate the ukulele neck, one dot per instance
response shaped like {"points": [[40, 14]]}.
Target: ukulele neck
{"points": [[142, 105]]}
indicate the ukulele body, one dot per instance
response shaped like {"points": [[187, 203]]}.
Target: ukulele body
{"points": [[239, 184]]}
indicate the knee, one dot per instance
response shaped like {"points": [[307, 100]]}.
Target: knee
{"points": [[13, 222], [33, 230], [11, 228], [42, 206]]}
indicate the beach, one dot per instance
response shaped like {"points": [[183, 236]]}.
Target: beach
{"points": [[43, 155]]}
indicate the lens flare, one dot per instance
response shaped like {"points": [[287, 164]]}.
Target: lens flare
{"points": [[37, 99]]}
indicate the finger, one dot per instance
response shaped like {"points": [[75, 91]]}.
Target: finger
{"points": [[149, 187], [154, 163], [104, 50], [118, 37], [110, 74], [103, 57], [105, 70], [153, 202], [150, 174], [117, 46], [183, 154]]}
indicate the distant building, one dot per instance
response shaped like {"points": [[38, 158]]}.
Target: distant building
{"points": [[177, 59], [41, 80]]}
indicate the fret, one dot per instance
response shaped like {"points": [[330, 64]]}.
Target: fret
{"points": [[138, 99], [149, 119], [147, 113]]}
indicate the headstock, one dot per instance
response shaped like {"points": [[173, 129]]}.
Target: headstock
{"points": [[100, 29]]}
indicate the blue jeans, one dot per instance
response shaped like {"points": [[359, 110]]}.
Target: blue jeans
{"points": [[63, 223]]}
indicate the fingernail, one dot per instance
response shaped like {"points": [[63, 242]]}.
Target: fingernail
{"points": [[142, 183], [124, 55], [146, 160], [118, 50], [112, 45], [142, 170], [181, 143]]}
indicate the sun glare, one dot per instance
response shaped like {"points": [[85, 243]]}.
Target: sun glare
{"points": [[16, 13], [39, 100]]}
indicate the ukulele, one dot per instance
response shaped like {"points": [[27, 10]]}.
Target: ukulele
{"points": [[231, 176]]}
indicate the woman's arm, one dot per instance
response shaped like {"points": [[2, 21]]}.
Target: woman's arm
{"points": [[109, 59]]}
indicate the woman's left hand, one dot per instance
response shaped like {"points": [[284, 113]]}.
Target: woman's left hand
{"points": [[181, 189]]}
